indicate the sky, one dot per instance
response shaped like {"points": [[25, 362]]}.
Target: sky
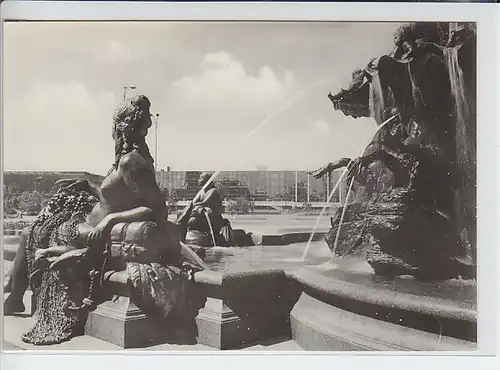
{"points": [[231, 96]]}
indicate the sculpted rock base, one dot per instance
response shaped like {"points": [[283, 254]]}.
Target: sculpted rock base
{"points": [[400, 236]]}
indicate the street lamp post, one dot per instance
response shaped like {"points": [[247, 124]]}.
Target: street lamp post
{"points": [[327, 186], [156, 118], [340, 192], [308, 188], [296, 188], [37, 182], [125, 88]]}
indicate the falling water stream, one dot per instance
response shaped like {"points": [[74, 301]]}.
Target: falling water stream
{"points": [[306, 250], [466, 156], [379, 100], [376, 99], [464, 144], [214, 243], [342, 216]]}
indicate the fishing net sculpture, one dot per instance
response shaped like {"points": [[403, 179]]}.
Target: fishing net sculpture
{"points": [[56, 291]]}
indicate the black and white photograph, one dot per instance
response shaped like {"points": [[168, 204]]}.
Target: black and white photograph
{"points": [[287, 186]]}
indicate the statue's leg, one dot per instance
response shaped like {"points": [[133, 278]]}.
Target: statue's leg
{"points": [[17, 281], [226, 232], [183, 220], [192, 223]]}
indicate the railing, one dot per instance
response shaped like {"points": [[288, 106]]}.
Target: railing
{"points": [[183, 203], [15, 227]]}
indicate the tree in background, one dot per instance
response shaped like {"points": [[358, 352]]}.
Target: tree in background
{"points": [[10, 200], [31, 202], [307, 207], [301, 192], [239, 206], [165, 193], [10, 203], [232, 189]]}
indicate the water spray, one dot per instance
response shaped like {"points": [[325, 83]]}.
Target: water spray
{"points": [[207, 217], [269, 118], [342, 216], [306, 250]]}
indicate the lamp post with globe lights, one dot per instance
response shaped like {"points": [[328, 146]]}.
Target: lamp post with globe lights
{"points": [[156, 117], [125, 89]]}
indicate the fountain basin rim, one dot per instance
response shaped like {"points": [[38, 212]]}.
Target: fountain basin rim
{"points": [[417, 304], [221, 277]]}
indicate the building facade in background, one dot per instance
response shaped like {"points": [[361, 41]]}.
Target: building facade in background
{"points": [[16, 182], [259, 185]]}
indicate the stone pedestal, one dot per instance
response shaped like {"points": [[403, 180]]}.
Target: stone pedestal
{"points": [[121, 322], [244, 308], [241, 309], [222, 328]]}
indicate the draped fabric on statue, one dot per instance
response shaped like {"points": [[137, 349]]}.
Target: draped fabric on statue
{"points": [[55, 291]]}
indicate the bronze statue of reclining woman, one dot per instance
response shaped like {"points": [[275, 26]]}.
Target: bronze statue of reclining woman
{"points": [[85, 226]]}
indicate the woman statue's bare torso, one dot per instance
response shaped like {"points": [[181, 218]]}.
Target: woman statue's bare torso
{"points": [[116, 196]]}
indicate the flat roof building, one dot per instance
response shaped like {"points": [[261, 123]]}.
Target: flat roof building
{"points": [[258, 184], [43, 181]]}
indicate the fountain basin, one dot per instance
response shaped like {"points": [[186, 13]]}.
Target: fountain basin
{"points": [[340, 311], [258, 293], [240, 309], [244, 307], [243, 239]]}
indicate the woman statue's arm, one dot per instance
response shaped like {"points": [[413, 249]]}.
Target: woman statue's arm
{"points": [[56, 250], [131, 215], [196, 197], [140, 180], [103, 228], [208, 198]]}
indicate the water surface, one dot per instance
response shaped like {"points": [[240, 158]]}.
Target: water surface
{"points": [[266, 257]]}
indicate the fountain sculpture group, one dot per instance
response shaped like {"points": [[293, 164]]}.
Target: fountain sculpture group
{"points": [[418, 215], [411, 212]]}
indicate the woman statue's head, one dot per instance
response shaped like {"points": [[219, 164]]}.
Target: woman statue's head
{"points": [[204, 178], [131, 122]]}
